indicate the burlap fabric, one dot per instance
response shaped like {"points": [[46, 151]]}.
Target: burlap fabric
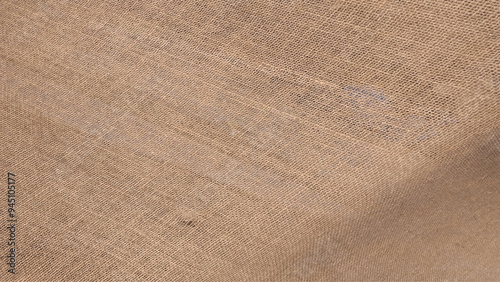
{"points": [[237, 140]]}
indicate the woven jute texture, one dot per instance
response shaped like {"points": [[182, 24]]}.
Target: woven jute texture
{"points": [[238, 140]]}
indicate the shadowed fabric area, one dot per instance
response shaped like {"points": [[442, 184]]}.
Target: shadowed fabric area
{"points": [[233, 140]]}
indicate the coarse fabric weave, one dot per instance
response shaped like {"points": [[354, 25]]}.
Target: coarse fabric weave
{"points": [[238, 140]]}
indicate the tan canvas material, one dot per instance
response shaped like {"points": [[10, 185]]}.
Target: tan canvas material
{"points": [[236, 140]]}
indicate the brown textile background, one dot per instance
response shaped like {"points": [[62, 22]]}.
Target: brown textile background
{"points": [[263, 140]]}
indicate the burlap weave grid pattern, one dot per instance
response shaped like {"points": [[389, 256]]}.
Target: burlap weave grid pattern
{"points": [[234, 140]]}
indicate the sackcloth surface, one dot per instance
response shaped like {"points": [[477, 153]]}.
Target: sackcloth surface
{"points": [[238, 140]]}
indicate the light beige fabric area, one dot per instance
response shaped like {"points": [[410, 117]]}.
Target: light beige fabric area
{"points": [[234, 140]]}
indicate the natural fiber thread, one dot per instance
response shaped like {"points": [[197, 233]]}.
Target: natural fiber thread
{"points": [[252, 140]]}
